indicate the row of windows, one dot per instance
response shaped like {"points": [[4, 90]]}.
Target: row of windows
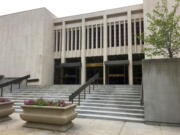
{"points": [[117, 35], [73, 38], [94, 36]]}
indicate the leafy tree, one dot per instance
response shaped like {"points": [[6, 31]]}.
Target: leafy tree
{"points": [[164, 31]]}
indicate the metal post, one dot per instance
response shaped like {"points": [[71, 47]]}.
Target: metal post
{"points": [[1, 92], [19, 85], [11, 88], [93, 86], [84, 93], [72, 101], [79, 99], [89, 89], [26, 82]]}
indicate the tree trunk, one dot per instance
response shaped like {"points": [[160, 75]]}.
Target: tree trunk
{"points": [[170, 53]]}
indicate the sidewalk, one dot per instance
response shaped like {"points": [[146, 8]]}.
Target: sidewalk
{"points": [[89, 127]]}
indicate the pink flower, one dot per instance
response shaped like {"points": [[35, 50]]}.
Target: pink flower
{"points": [[4, 100], [29, 102]]}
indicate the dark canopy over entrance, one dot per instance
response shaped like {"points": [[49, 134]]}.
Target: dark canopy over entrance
{"points": [[67, 73]]}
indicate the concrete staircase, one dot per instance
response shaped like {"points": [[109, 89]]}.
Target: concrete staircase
{"points": [[115, 102]]}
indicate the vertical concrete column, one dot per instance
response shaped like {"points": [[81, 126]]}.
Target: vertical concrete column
{"points": [[63, 43], [130, 49], [105, 58], [83, 57]]}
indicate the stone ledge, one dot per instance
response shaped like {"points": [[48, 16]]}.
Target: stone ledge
{"points": [[53, 127]]}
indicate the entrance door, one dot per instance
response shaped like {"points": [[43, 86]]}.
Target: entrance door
{"points": [[117, 74], [92, 70], [71, 75]]}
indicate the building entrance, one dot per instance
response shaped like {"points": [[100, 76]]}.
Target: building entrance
{"points": [[71, 75], [94, 68], [117, 74]]}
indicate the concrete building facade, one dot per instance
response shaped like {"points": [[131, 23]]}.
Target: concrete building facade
{"points": [[72, 49]]}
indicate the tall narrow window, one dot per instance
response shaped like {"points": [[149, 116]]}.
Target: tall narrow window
{"points": [[86, 38], [126, 33], [132, 26], [58, 41], [112, 35], [102, 36], [94, 37], [55, 41], [99, 36], [66, 39], [90, 33], [108, 35], [78, 39], [137, 33], [70, 39], [74, 39], [142, 30], [117, 34], [122, 34]]}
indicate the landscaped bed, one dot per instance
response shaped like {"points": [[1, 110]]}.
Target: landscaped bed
{"points": [[50, 115], [6, 108]]}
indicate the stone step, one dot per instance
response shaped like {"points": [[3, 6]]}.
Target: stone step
{"points": [[111, 105], [116, 109], [110, 113], [122, 118], [104, 102]]}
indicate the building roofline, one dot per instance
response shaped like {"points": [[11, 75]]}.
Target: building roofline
{"points": [[20, 12], [99, 13]]}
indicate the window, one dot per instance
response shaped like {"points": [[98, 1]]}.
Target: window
{"points": [[86, 37], [94, 37], [137, 33], [99, 36], [122, 34], [112, 35], [126, 33], [70, 39], [108, 35], [90, 36], [117, 34], [142, 30], [74, 39], [132, 26], [54, 41], [78, 39]]}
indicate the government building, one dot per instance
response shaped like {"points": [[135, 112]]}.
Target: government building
{"points": [[70, 50]]}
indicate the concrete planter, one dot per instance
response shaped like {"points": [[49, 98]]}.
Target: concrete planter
{"points": [[49, 117], [161, 84], [6, 108]]}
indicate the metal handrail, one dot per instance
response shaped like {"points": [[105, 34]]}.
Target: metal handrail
{"points": [[142, 94], [83, 88], [17, 80]]}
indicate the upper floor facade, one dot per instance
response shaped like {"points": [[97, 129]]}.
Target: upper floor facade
{"points": [[103, 33]]}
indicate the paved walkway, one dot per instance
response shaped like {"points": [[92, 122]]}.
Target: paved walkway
{"points": [[90, 127]]}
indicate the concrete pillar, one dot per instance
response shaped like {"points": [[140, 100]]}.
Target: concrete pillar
{"points": [[83, 57], [105, 58], [63, 43], [130, 69]]}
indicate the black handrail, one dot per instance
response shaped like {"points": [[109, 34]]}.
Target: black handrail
{"points": [[32, 80], [17, 80], [142, 94], [83, 88]]}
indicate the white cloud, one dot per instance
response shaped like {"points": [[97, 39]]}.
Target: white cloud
{"points": [[63, 7]]}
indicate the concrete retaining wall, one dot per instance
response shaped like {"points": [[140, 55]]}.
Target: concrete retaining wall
{"points": [[161, 82], [26, 45]]}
